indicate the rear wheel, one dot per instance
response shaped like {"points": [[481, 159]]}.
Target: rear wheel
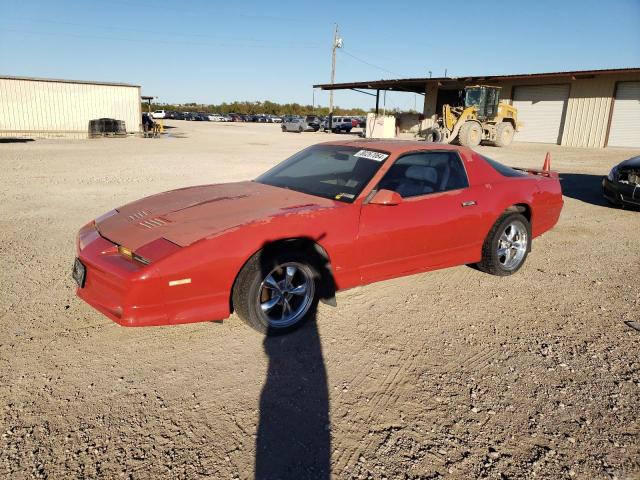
{"points": [[433, 135], [284, 129], [506, 247], [504, 134], [470, 134], [299, 129], [276, 292]]}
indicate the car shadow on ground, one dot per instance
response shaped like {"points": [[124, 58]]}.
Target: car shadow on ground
{"points": [[584, 187], [587, 188], [294, 430]]}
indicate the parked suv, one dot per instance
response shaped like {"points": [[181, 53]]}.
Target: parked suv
{"points": [[295, 124], [159, 114], [339, 124]]}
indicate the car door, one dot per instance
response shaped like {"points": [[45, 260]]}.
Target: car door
{"points": [[437, 224]]}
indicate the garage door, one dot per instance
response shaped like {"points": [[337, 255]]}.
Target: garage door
{"points": [[625, 120], [541, 110]]}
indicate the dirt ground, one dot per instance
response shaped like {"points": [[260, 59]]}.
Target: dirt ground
{"points": [[452, 373]]}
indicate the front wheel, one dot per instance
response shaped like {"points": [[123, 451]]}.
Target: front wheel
{"points": [[433, 135], [506, 247], [284, 129], [470, 134], [276, 292]]}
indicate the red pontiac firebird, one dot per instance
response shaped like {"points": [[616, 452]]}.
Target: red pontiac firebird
{"points": [[333, 216]]}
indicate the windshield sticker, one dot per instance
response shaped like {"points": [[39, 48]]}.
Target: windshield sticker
{"points": [[345, 195], [377, 156]]}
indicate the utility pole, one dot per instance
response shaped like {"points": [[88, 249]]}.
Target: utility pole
{"points": [[337, 43]]}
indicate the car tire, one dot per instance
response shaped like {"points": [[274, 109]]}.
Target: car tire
{"points": [[470, 134], [253, 293], [299, 129], [284, 129], [504, 134], [507, 245], [433, 135]]}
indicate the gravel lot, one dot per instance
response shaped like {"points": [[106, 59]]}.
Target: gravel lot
{"points": [[452, 373]]}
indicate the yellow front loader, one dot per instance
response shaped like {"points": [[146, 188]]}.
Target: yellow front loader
{"points": [[482, 118]]}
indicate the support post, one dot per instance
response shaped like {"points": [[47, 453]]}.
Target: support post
{"points": [[377, 101], [335, 45]]}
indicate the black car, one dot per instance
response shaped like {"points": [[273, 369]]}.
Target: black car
{"points": [[175, 115], [622, 186], [201, 117]]}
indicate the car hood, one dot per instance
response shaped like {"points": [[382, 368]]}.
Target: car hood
{"points": [[633, 162], [187, 215]]}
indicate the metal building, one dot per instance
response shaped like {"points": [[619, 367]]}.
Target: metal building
{"points": [[50, 108], [591, 108]]}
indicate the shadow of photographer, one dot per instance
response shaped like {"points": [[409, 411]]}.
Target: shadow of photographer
{"points": [[294, 431]]}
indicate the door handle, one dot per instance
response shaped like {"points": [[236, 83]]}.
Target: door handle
{"points": [[469, 203]]}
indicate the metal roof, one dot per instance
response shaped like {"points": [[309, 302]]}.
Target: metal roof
{"points": [[59, 80], [417, 84]]}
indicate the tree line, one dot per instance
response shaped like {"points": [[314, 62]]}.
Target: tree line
{"points": [[254, 108]]}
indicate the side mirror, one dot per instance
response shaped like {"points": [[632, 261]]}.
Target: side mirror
{"points": [[386, 197]]}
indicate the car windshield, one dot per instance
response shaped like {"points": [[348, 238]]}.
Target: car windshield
{"points": [[330, 171]]}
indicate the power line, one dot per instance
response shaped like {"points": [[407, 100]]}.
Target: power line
{"points": [[157, 40], [154, 32], [370, 64], [198, 11]]}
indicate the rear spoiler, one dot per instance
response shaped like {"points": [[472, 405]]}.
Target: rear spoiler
{"points": [[546, 169]]}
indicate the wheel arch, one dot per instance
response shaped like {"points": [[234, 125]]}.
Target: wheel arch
{"points": [[522, 208], [525, 210], [305, 244]]}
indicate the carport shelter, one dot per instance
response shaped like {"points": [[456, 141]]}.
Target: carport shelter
{"points": [[590, 108]]}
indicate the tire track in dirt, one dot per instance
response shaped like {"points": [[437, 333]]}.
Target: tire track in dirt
{"points": [[379, 401]]}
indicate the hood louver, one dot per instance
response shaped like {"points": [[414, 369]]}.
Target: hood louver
{"points": [[153, 222]]}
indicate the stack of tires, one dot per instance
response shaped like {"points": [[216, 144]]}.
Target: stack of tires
{"points": [[106, 126]]}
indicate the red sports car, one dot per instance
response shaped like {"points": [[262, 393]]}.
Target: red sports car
{"points": [[333, 216]]}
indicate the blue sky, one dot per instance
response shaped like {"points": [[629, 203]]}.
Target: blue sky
{"points": [[213, 51]]}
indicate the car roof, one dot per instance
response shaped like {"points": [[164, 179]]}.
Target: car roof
{"points": [[395, 146]]}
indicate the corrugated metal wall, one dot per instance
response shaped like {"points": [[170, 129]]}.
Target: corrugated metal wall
{"points": [[587, 117], [588, 112], [50, 108]]}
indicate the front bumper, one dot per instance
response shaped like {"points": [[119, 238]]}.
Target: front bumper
{"points": [[620, 193], [136, 295], [125, 291]]}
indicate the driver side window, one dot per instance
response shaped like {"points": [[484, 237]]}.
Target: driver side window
{"points": [[425, 172]]}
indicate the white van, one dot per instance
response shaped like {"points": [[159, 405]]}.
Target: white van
{"points": [[159, 114]]}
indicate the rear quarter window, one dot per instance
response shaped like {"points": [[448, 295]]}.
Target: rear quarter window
{"points": [[503, 169]]}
